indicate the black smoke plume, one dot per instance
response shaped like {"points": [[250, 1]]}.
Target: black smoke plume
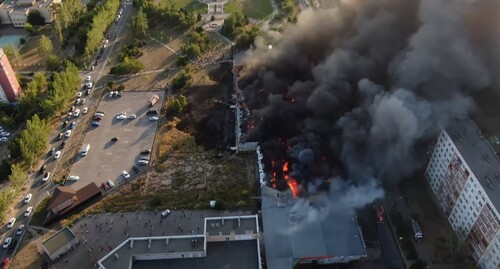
{"points": [[350, 91]]}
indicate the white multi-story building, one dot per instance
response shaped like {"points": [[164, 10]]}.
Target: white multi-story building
{"points": [[464, 174], [16, 12]]}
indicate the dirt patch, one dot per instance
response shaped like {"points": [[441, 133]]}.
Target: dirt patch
{"points": [[28, 254]]}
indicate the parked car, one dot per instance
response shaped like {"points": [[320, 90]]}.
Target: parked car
{"points": [[73, 178], [142, 162], [52, 151], [165, 213], [88, 85], [27, 198], [88, 92], [77, 113], [77, 101], [95, 123], [69, 115], [6, 242], [114, 139], [85, 110], [63, 144], [79, 94], [4, 134], [121, 117], [100, 112], [110, 183], [5, 263], [146, 151], [11, 222], [153, 118], [136, 169], [88, 78], [57, 155], [46, 176], [43, 169], [4, 139], [125, 174], [97, 118], [72, 125], [65, 123], [12, 246], [68, 132], [145, 158], [20, 229], [28, 211], [152, 112]]}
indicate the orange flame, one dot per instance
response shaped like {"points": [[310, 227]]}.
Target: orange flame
{"points": [[285, 167], [292, 183]]}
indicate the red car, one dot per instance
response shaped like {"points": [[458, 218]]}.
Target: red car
{"points": [[379, 210], [5, 263]]}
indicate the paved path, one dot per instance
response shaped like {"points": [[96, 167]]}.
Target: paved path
{"points": [[98, 234]]}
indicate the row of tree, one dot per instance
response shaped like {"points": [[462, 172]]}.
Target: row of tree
{"points": [[104, 17], [236, 26], [170, 15]]}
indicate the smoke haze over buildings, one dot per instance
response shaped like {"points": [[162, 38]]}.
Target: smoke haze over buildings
{"points": [[354, 88]]}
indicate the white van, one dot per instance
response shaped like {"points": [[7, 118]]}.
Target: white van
{"points": [[85, 149]]}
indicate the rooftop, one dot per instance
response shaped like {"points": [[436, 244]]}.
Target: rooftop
{"points": [[334, 235], [23, 4], [479, 156], [232, 254], [58, 240], [236, 225]]}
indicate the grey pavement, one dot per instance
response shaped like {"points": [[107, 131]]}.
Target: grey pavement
{"points": [[98, 234]]}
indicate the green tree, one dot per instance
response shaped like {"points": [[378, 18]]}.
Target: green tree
{"points": [[12, 53], [104, 16], [44, 46], [34, 139], [29, 28], [6, 197], [17, 177], [140, 24], [128, 66], [232, 23], [181, 80], [62, 90], [35, 18], [30, 99], [182, 100], [192, 50], [53, 63]]}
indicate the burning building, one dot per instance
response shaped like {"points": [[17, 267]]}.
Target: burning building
{"points": [[350, 95]]}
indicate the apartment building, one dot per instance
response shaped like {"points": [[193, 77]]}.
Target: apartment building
{"points": [[464, 174], [16, 12], [9, 86]]}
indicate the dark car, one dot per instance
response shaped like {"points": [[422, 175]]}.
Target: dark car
{"points": [[152, 112], [146, 151], [12, 245], [88, 92], [114, 139], [43, 169], [65, 123], [63, 144], [72, 125], [95, 123], [136, 169]]}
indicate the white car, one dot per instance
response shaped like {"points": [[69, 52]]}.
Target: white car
{"points": [[125, 174], [73, 178], [11, 222], [6, 243], [121, 117], [68, 133], [46, 177], [27, 198], [88, 78], [4, 139], [110, 183], [106, 41], [4, 134], [89, 85], [20, 229], [132, 116], [57, 155], [28, 211], [79, 94], [77, 113], [165, 213], [85, 110], [153, 118]]}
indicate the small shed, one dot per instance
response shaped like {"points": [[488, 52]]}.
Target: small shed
{"points": [[60, 243]]}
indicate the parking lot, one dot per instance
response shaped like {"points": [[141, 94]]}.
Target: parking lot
{"points": [[106, 159]]}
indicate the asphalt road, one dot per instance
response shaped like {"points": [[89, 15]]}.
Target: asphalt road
{"points": [[392, 256], [42, 190]]}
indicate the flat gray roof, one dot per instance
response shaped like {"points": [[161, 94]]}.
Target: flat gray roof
{"points": [[58, 240], [158, 245], [335, 235], [231, 254], [246, 225], [479, 156]]}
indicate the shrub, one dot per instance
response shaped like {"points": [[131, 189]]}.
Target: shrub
{"points": [[128, 66]]}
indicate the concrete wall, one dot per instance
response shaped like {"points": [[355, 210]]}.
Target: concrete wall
{"points": [[63, 249], [173, 255], [8, 79]]}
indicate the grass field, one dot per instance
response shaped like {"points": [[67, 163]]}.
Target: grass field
{"points": [[256, 9], [191, 5]]}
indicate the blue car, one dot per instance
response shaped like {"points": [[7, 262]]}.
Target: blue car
{"points": [[95, 123], [72, 125]]}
